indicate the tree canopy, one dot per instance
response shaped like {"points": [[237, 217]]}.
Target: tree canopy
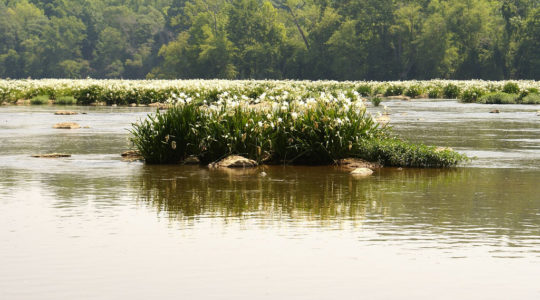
{"points": [[277, 39]]}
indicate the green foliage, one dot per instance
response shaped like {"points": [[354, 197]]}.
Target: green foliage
{"points": [[511, 88], [376, 101], [451, 91], [434, 92], [364, 90], [281, 133], [471, 95], [241, 39], [65, 100], [499, 98], [394, 90], [398, 153], [413, 91], [40, 100], [532, 98]]}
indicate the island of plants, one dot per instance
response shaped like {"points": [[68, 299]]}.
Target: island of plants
{"points": [[277, 130], [144, 92]]}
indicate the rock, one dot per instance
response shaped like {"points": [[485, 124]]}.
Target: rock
{"points": [[383, 120], [406, 98], [131, 155], [22, 102], [98, 103], [495, 111], [234, 161], [191, 160], [441, 149], [51, 155], [159, 105], [133, 104], [362, 172], [67, 125], [355, 163], [65, 113], [263, 174], [114, 105]]}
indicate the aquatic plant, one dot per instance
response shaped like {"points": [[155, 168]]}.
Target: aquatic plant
{"points": [[451, 91], [394, 90], [499, 98], [39, 100], [65, 100], [124, 92], [376, 101], [307, 131], [532, 98], [510, 88], [471, 94], [413, 91]]}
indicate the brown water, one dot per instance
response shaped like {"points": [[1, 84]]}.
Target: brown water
{"points": [[94, 227]]}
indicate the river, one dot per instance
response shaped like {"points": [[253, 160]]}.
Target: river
{"points": [[95, 227]]}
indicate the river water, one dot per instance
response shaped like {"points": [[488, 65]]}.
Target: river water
{"points": [[94, 227]]}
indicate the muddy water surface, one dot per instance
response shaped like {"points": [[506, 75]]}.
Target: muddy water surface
{"points": [[94, 227]]}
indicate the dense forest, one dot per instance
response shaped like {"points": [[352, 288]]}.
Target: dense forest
{"points": [[295, 39]]}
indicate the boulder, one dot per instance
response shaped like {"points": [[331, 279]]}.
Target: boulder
{"points": [[494, 111], [191, 160], [67, 125], [383, 120], [355, 163], [362, 172], [131, 155], [159, 105], [65, 113], [406, 98], [441, 149], [51, 155], [234, 161]]}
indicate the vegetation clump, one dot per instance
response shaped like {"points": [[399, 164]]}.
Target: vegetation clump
{"points": [[39, 100], [65, 100], [306, 131], [499, 98]]}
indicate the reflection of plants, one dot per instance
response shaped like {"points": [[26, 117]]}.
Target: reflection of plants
{"points": [[329, 196]]}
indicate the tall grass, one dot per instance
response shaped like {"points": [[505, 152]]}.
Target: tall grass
{"points": [[39, 100], [305, 132]]}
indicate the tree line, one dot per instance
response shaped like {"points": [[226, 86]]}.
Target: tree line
{"points": [[293, 39]]}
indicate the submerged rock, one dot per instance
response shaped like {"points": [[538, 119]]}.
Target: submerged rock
{"points": [[159, 105], [355, 163], [406, 98], [383, 120], [362, 172], [131, 155], [67, 125], [495, 111], [51, 155], [441, 149], [65, 113], [234, 161], [191, 160]]}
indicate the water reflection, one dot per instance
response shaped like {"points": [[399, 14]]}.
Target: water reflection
{"points": [[463, 205]]}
